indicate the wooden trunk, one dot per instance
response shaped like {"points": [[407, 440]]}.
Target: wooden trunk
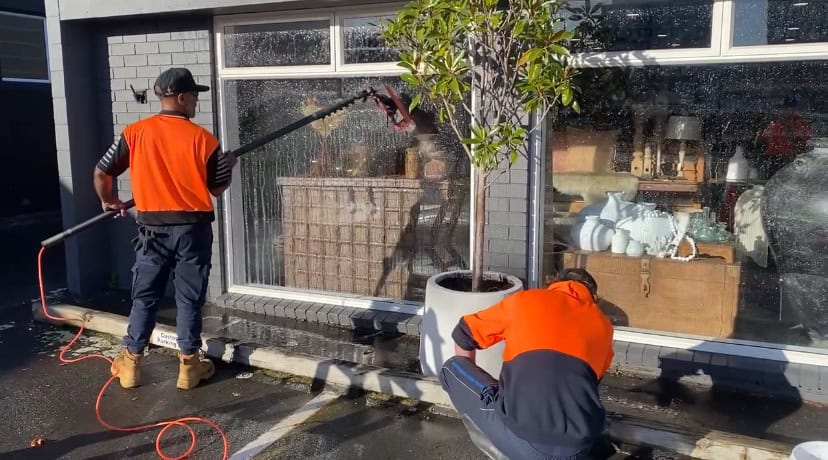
{"points": [[699, 297]]}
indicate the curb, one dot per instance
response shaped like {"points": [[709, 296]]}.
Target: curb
{"points": [[708, 445]]}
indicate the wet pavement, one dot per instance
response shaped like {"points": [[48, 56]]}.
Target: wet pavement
{"points": [[42, 399], [697, 408]]}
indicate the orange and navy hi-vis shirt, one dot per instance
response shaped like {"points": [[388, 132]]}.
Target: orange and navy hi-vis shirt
{"points": [[558, 347], [173, 164]]}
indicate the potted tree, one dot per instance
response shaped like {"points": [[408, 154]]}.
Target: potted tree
{"points": [[495, 62]]}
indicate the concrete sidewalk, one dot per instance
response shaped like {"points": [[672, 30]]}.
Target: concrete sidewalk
{"points": [[630, 426]]}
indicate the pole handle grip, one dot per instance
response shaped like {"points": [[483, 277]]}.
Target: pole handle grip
{"points": [[56, 239]]}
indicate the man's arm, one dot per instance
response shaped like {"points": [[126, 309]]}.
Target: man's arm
{"points": [[481, 330], [113, 163], [220, 171]]}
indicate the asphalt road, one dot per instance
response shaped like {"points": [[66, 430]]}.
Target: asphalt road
{"points": [[43, 399]]}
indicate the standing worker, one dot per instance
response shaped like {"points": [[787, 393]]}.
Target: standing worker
{"points": [[558, 347], [176, 168]]}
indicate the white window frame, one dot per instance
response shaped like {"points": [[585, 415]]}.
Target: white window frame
{"points": [[336, 69], [270, 71], [759, 53], [359, 12], [48, 79], [722, 51]]}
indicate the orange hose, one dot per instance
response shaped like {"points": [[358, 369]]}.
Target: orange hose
{"points": [[183, 422]]}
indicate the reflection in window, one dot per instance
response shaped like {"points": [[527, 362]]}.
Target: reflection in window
{"points": [[743, 171], [23, 47], [631, 25], [346, 204], [363, 43], [278, 44], [775, 22]]}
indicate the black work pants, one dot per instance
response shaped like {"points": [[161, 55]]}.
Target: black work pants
{"points": [[185, 251], [473, 393]]}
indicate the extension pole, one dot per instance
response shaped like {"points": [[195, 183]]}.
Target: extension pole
{"points": [[256, 143]]}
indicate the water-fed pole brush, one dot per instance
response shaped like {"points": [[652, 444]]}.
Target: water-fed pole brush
{"points": [[390, 104]]}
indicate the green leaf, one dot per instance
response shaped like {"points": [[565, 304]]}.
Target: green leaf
{"points": [[415, 102], [576, 107], [518, 29], [566, 96], [410, 79]]}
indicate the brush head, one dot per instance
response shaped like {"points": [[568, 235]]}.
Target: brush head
{"points": [[392, 104]]}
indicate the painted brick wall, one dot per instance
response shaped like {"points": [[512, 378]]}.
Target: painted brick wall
{"points": [[132, 57], [506, 220], [72, 63]]}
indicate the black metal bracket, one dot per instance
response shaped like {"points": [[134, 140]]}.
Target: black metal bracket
{"points": [[140, 96]]}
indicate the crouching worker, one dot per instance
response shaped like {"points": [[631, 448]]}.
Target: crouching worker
{"points": [[558, 347]]}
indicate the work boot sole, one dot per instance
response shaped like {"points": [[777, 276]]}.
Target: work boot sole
{"points": [[187, 384]]}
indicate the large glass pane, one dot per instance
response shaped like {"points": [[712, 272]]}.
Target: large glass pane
{"points": [[346, 204], [363, 43], [631, 25], [774, 22], [744, 174], [278, 44], [22, 48]]}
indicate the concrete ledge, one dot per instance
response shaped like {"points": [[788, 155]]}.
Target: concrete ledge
{"points": [[628, 429]]}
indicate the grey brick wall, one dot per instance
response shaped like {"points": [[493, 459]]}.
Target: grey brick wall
{"points": [[506, 220], [93, 65], [761, 376], [133, 58], [71, 63]]}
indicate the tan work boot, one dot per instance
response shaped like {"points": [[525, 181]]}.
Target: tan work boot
{"points": [[193, 369], [128, 369]]}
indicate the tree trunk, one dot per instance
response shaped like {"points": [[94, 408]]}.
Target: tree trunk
{"points": [[479, 230]]}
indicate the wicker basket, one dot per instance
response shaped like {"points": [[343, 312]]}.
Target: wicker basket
{"points": [[355, 235]]}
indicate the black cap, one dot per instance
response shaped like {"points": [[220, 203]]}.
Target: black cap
{"points": [[177, 80]]}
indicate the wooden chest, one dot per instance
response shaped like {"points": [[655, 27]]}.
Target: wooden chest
{"points": [[699, 297]]}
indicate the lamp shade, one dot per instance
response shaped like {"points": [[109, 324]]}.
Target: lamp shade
{"points": [[683, 128]]}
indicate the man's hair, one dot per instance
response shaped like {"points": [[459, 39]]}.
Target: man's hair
{"points": [[580, 275]]}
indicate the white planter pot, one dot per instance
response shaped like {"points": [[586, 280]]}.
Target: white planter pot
{"points": [[444, 308]]}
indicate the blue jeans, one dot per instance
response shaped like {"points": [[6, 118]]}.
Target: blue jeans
{"points": [[185, 251], [473, 393]]}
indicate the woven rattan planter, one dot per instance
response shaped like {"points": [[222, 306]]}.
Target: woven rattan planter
{"points": [[358, 235]]}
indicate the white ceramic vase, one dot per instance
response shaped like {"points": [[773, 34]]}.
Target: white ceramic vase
{"points": [[635, 248], [592, 234], [620, 241]]}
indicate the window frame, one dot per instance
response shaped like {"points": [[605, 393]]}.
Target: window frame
{"points": [[48, 79], [230, 213], [272, 18], [359, 12], [763, 52], [725, 54]]}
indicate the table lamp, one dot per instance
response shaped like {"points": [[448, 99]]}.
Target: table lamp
{"points": [[684, 129]]}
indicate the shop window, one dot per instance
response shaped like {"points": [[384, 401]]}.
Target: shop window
{"points": [[347, 205], [777, 22], [299, 43], [633, 25], [732, 155], [23, 48], [363, 43]]}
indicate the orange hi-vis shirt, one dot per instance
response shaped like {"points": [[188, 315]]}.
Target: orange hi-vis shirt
{"points": [[173, 164], [558, 347]]}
